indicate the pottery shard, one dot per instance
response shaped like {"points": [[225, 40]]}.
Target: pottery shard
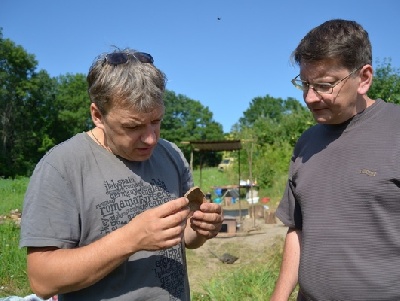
{"points": [[196, 198]]}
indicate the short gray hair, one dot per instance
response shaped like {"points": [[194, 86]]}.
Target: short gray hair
{"points": [[132, 83]]}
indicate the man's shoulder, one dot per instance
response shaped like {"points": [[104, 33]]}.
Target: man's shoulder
{"points": [[68, 150], [311, 133], [168, 149], [168, 145], [394, 108]]}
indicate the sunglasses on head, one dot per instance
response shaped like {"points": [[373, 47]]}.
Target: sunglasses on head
{"points": [[118, 58]]}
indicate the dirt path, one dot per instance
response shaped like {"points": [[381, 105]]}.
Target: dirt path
{"points": [[250, 244]]}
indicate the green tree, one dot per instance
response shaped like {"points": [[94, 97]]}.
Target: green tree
{"points": [[386, 83], [72, 103], [186, 119], [37, 111], [33, 129], [274, 133], [279, 120], [293, 124], [263, 107], [19, 101]]}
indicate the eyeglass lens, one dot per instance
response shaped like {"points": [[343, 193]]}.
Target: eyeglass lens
{"points": [[319, 87]]}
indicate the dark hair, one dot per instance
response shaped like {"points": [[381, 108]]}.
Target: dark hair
{"points": [[341, 40]]}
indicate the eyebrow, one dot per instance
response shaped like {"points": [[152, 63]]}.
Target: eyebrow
{"points": [[138, 123]]}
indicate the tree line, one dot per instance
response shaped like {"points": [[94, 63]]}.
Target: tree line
{"points": [[38, 111]]}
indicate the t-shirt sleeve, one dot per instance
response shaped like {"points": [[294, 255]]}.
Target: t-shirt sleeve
{"points": [[49, 216], [186, 177], [289, 210]]}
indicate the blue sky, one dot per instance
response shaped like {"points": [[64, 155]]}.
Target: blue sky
{"points": [[222, 63]]}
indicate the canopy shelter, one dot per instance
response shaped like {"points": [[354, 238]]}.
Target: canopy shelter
{"points": [[215, 146]]}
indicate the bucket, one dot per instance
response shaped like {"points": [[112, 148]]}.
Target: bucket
{"points": [[265, 200]]}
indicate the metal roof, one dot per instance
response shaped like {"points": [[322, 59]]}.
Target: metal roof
{"points": [[215, 146]]}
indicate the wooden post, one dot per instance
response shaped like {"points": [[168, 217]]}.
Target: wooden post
{"points": [[269, 217]]}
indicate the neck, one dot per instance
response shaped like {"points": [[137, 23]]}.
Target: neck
{"points": [[364, 103], [98, 136]]}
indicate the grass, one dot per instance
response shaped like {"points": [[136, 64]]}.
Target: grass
{"points": [[11, 194], [255, 281], [252, 279], [210, 177], [13, 279]]}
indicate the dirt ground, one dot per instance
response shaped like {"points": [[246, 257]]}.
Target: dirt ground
{"points": [[252, 241]]}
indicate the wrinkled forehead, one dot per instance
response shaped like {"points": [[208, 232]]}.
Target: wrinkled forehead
{"points": [[137, 107], [314, 69]]}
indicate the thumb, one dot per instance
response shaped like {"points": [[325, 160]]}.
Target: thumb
{"points": [[172, 207]]}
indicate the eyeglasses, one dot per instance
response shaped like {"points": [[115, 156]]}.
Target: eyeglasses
{"points": [[324, 88], [118, 58]]}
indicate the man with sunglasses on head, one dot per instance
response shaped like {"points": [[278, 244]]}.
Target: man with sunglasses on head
{"points": [[104, 215], [342, 198]]}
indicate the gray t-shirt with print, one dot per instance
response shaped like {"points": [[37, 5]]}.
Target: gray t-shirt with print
{"points": [[80, 192]]}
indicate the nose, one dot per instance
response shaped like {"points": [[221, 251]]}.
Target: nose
{"points": [[311, 96], [150, 135]]}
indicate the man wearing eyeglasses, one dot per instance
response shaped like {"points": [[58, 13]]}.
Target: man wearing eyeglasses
{"points": [[104, 215], [342, 198]]}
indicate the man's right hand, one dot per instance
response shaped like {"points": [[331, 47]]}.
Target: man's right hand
{"points": [[160, 227]]}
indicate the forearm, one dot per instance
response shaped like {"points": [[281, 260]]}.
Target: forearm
{"points": [[288, 276], [65, 270], [53, 271]]}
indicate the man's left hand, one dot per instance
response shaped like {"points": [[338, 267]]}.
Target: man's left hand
{"points": [[208, 220]]}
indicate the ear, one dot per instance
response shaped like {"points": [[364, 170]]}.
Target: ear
{"points": [[365, 79], [97, 117]]}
